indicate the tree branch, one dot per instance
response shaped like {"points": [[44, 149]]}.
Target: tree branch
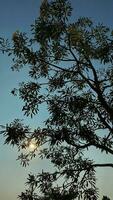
{"points": [[99, 146], [103, 165], [56, 66], [104, 121]]}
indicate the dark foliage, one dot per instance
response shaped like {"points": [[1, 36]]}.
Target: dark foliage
{"points": [[71, 72], [105, 198]]}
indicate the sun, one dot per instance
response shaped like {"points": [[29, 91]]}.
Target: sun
{"points": [[32, 146]]}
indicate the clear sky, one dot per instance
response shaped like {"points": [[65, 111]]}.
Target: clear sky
{"points": [[19, 15]]}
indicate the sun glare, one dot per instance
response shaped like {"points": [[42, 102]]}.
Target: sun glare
{"points": [[32, 146]]}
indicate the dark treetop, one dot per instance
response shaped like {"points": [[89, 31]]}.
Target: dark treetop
{"points": [[71, 70]]}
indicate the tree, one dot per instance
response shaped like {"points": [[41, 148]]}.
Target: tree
{"points": [[70, 66], [105, 198]]}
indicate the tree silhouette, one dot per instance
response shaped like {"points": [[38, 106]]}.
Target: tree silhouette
{"points": [[70, 66], [105, 198]]}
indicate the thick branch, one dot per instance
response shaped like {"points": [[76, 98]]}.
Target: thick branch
{"points": [[99, 92], [99, 146], [56, 66], [95, 87], [103, 148], [105, 105], [103, 165], [104, 121], [81, 146]]}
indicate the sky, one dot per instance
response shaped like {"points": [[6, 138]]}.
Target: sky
{"points": [[19, 15]]}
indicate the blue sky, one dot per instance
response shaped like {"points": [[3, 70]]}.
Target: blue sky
{"points": [[19, 15]]}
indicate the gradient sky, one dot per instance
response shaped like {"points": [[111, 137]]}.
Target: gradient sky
{"points": [[19, 15]]}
